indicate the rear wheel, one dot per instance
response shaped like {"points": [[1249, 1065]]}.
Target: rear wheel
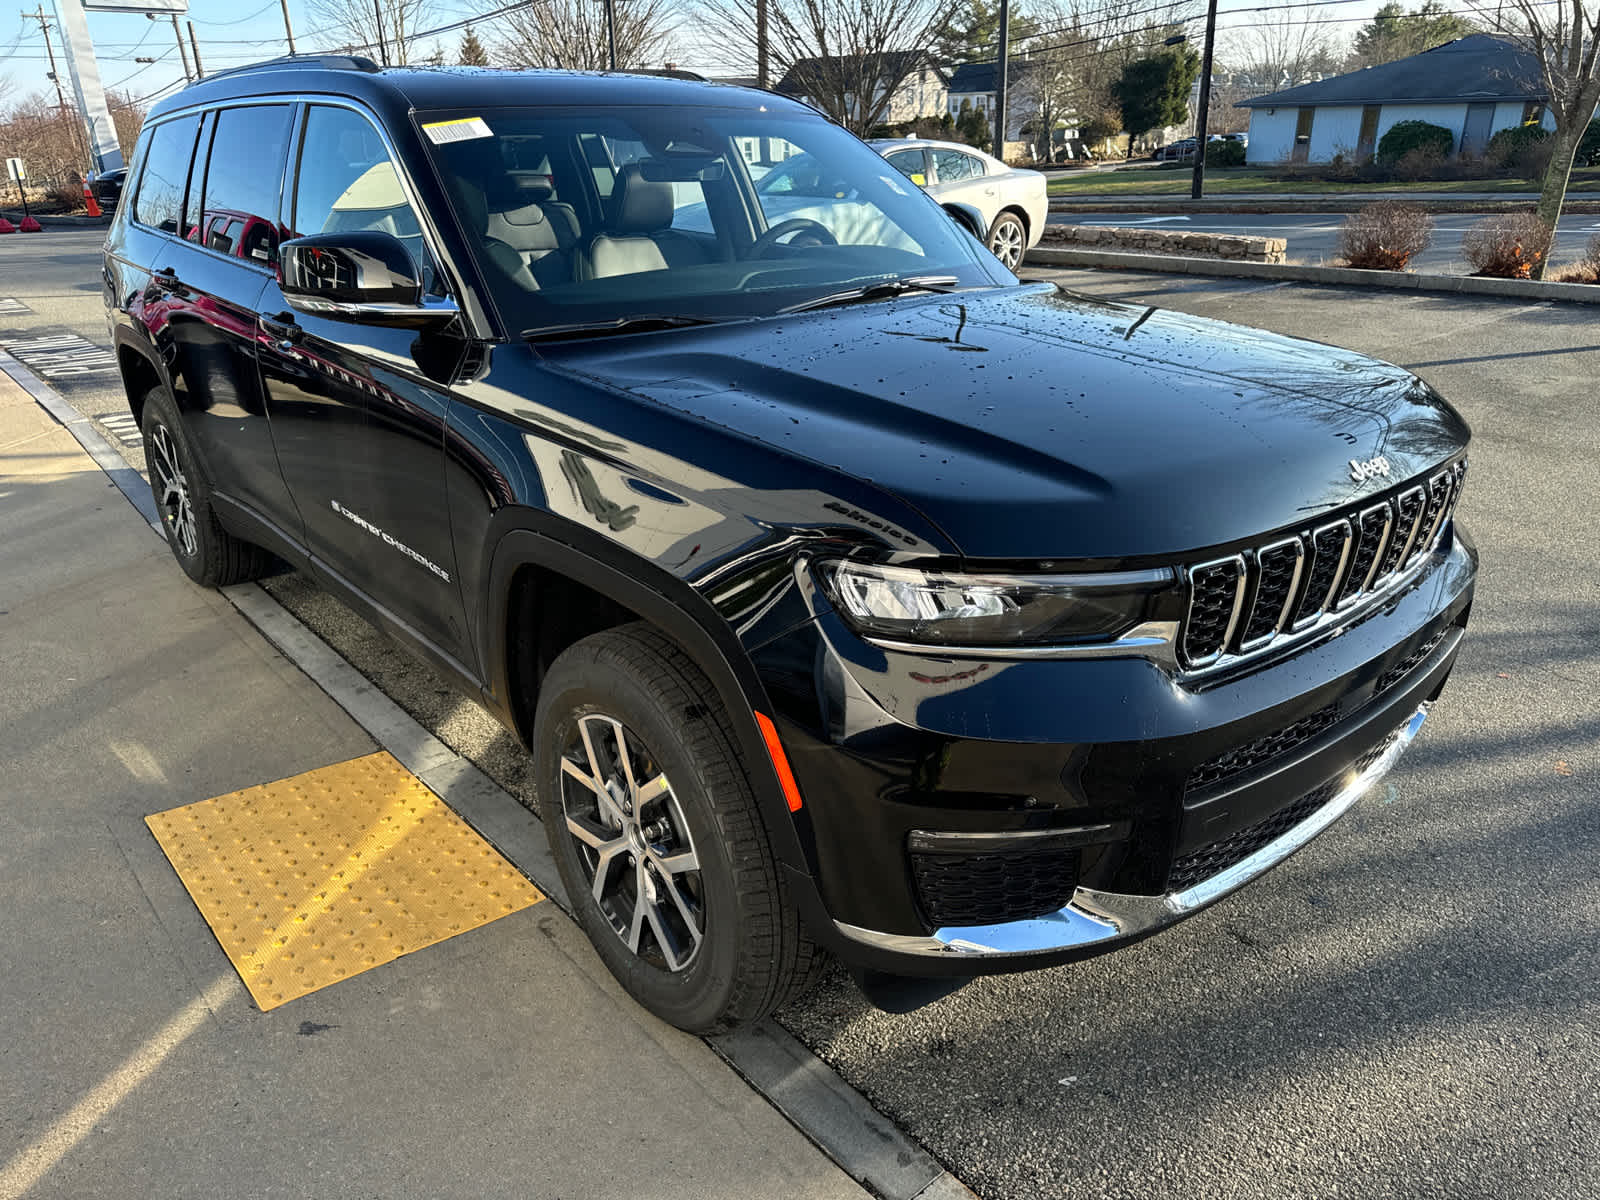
{"points": [[657, 835], [208, 553], [1008, 240]]}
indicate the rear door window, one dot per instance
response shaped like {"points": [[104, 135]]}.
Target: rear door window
{"points": [[953, 166], [244, 174], [159, 200]]}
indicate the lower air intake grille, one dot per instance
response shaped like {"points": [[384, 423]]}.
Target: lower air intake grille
{"points": [[1408, 664], [987, 889], [1202, 864], [1263, 749]]}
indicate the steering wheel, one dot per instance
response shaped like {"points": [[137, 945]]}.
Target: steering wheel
{"points": [[769, 239]]}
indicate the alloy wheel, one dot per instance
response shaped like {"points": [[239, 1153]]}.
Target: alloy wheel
{"points": [[177, 509], [1006, 242], [628, 827]]}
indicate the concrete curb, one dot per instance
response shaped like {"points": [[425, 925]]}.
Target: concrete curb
{"points": [[834, 1116], [58, 220], [1460, 285]]}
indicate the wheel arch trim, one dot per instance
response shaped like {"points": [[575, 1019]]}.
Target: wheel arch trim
{"points": [[674, 607]]}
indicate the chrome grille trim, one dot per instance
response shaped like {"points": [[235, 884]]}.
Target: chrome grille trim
{"points": [[1399, 549], [1286, 609]]}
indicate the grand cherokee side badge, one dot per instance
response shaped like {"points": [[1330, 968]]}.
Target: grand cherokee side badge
{"points": [[1363, 471]]}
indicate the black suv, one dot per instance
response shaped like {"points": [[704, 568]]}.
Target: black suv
{"points": [[849, 594]]}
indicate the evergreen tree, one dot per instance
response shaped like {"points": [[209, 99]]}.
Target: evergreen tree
{"points": [[972, 33], [1154, 92], [1395, 33], [472, 52]]}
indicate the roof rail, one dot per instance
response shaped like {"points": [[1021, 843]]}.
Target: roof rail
{"points": [[325, 62]]}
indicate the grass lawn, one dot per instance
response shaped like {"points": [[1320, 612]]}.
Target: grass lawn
{"points": [[1158, 182]]}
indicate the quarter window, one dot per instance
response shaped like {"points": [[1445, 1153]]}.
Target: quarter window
{"points": [[245, 171], [159, 200]]}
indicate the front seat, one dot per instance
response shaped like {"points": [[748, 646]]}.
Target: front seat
{"points": [[542, 232], [640, 236]]}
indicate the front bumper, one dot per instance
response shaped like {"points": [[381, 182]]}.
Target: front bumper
{"points": [[1094, 919], [1113, 760]]}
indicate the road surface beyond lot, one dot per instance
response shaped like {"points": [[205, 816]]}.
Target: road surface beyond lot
{"points": [[1407, 1008], [1314, 237]]}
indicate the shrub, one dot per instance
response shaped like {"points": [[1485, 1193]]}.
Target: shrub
{"points": [[1406, 136], [1587, 268], [1521, 148], [1589, 147], [1420, 162], [1509, 246], [1385, 235], [1225, 154]]}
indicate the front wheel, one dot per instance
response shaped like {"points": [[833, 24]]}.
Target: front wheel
{"points": [[657, 836], [1008, 240]]}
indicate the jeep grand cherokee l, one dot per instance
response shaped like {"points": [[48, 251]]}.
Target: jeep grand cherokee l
{"points": [[849, 594]]}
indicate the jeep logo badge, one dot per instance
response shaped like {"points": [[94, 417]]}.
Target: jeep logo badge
{"points": [[1363, 471]]}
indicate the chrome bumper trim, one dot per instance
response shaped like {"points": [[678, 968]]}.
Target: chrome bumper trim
{"points": [[1093, 916]]}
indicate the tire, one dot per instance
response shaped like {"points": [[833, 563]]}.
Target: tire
{"points": [[208, 553], [1008, 240], [693, 917]]}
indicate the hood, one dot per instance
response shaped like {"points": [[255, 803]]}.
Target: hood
{"points": [[1032, 424]]}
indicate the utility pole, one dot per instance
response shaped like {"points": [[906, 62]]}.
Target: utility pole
{"points": [[288, 29], [55, 78], [383, 46], [1199, 187], [762, 78], [194, 44], [1000, 80], [611, 31], [188, 76]]}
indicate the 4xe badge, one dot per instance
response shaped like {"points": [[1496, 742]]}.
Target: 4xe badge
{"points": [[1373, 467]]}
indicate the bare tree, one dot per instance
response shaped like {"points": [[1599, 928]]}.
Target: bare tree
{"points": [[379, 28], [1565, 38], [572, 34], [1284, 49], [849, 57], [1082, 49]]}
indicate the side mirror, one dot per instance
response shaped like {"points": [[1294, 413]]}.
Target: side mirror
{"points": [[968, 218], [363, 276]]}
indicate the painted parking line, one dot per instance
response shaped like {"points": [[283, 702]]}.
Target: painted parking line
{"points": [[123, 427], [315, 878], [13, 308], [60, 356]]}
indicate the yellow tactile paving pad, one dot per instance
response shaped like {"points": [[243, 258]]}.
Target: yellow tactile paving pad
{"points": [[319, 877]]}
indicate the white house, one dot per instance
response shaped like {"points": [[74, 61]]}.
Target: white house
{"points": [[1473, 86]]}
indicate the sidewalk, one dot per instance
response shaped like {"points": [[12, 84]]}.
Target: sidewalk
{"points": [[501, 1062]]}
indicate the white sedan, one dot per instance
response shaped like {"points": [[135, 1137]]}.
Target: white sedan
{"points": [[1011, 200]]}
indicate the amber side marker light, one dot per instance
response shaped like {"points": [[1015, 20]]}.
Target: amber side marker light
{"points": [[780, 761]]}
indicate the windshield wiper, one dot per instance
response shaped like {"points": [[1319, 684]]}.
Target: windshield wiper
{"points": [[885, 289], [594, 329]]}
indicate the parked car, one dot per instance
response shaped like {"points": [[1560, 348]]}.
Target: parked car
{"points": [[1010, 200], [107, 188], [847, 594], [1175, 151]]}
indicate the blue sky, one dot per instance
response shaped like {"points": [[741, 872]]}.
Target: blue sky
{"points": [[232, 32]]}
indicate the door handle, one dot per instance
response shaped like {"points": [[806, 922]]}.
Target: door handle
{"points": [[285, 333], [166, 280]]}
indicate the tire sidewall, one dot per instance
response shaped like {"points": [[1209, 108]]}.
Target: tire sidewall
{"points": [[694, 998], [159, 410]]}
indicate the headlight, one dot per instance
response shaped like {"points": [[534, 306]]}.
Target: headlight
{"points": [[946, 609]]}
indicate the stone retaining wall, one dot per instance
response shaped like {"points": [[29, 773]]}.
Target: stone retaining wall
{"points": [[1167, 242]]}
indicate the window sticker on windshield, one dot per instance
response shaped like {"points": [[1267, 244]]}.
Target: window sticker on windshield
{"points": [[894, 185], [463, 129]]}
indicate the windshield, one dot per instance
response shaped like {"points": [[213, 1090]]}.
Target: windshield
{"points": [[600, 215]]}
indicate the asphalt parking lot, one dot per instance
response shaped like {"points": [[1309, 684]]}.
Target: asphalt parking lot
{"points": [[1408, 1007]]}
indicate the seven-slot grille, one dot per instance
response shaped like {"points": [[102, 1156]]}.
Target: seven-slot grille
{"points": [[1250, 600]]}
